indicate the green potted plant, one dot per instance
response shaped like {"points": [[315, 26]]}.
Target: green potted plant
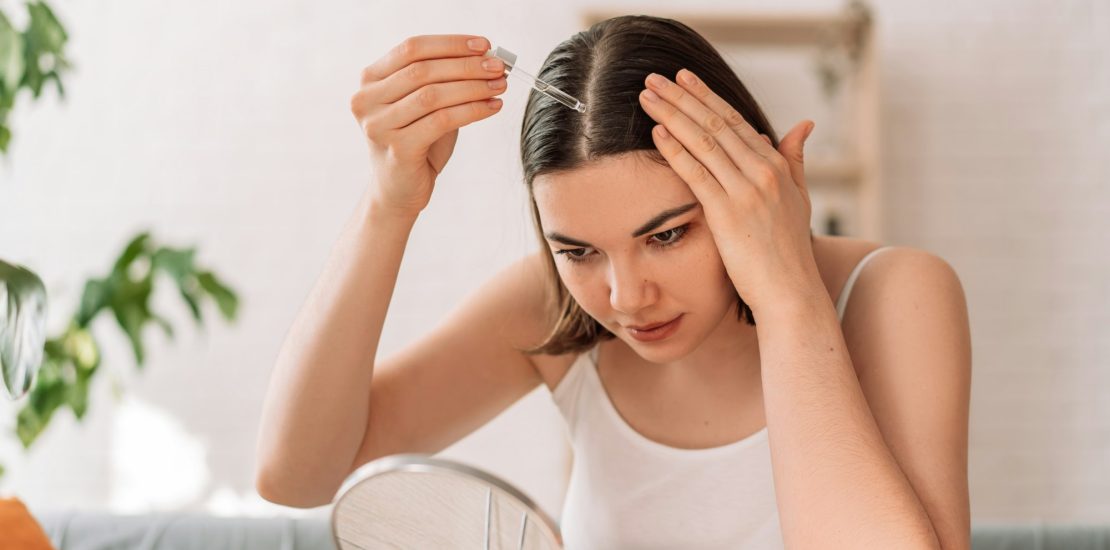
{"points": [[56, 372]]}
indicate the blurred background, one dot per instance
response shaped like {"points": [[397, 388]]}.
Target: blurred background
{"points": [[978, 131]]}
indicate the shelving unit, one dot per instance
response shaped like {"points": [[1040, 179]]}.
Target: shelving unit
{"points": [[844, 180]]}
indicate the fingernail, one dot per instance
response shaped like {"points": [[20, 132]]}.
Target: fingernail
{"points": [[809, 131], [651, 96], [662, 132], [657, 80], [688, 77], [477, 44]]}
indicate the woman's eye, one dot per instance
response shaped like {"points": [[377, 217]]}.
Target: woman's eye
{"points": [[670, 236], [574, 254], [662, 239]]}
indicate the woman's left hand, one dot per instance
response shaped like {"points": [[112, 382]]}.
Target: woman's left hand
{"points": [[754, 197]]}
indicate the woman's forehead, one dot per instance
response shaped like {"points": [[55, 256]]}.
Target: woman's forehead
{"points": [[612, 188]]}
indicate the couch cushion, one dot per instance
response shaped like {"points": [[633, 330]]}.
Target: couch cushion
{"points": [[1039, 536], [70, 530], [103, 531]]}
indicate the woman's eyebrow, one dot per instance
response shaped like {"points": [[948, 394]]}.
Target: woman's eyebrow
{"points": [[662, 218], [651, 225]]}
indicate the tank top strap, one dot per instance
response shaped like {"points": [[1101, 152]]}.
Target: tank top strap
{"points": [[570, 394], [842, 301]]}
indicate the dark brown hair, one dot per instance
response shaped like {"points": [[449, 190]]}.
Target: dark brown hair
{"points": [[605, 67]]}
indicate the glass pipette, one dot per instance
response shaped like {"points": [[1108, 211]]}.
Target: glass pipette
{"points": [[550, 91]]}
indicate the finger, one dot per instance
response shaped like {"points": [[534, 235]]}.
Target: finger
{"points": [[713, 144], [419, 136], [733, 117], [417, 48], [437, 96], [421, 73], [792, 147], [757, 168], [701, 181]]}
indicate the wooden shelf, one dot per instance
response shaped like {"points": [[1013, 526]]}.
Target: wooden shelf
{"points": [[832, 171]]}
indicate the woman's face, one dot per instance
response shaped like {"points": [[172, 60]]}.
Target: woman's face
{"points": [[623, 269]]}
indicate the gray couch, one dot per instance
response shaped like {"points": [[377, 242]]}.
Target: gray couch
{"points": [[71, 530], [101, 531]]}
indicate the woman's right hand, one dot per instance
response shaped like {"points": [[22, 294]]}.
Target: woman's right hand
{"points": [[411, 105]]}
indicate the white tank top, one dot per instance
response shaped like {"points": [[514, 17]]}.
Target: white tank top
{"points": [[628, 491]]}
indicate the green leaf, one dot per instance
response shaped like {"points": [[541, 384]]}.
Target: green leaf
{"points": [[28, 425], [22, 327], [49, 393], [177, 263], [96, 296], [130, 305], [192, 300], [44, 36], [77, 395], [137, 246], [11, 56], [53, 75], [225, 298], [55, 349], [48, 31], [28, 59]]}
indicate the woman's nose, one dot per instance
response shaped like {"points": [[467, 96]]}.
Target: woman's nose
{"points": [[630, 289]]}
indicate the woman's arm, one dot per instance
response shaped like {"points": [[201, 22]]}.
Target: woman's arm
{"points": [[874, 454], [410, 105], [315, 411]]}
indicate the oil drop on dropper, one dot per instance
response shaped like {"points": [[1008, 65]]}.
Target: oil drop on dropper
{"points": [[550, 91]]}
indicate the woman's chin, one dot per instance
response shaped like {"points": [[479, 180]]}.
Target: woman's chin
{"points": [[660, 352]]}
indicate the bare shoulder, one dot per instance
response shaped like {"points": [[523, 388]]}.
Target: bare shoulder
{"points": [[899, 275], [529, 283], [837, 256], [903, 272], [524, 289]]}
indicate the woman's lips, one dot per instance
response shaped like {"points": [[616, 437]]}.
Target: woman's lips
{"points": [[659, 332]]}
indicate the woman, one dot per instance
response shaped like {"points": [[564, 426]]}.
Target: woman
{"points": [[764, 412]]}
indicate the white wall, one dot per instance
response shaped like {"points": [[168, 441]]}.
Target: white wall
{"points": [[226, 126], [998, 125]]}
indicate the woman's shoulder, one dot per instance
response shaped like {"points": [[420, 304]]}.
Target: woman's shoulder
{"points": [[837, 257], [534, 289]]}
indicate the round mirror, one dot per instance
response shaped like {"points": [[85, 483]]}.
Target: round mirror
{"points": [[416, 501]]}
